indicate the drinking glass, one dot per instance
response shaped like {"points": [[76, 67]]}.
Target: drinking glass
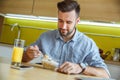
{"points": [[17, 52]]}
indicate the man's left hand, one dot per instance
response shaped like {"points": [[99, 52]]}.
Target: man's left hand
{"points": [[70, 68]]}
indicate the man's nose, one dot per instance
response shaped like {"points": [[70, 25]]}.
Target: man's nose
{"points": [[64, 26]]}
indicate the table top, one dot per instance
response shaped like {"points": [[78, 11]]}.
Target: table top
{"points": [[113, 62], [35, 73]]}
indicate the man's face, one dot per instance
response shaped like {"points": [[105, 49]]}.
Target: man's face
{"points": [[67, 22]]}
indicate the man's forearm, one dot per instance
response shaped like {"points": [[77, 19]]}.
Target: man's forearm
{"points": [[93, 71]]}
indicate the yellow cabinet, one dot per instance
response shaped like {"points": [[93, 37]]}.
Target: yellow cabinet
{"points": [[95, 10]]}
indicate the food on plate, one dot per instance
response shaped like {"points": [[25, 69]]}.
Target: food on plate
{"points": [[49, 63]]}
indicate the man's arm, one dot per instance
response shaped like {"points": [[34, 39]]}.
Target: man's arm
{"points": [[95, 71], [72, 68]]}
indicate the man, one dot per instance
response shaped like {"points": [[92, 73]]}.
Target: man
{"points": [[75, 52]]}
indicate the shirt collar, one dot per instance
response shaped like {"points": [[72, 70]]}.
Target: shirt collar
{"points": [[58, 36], [75, 37]]}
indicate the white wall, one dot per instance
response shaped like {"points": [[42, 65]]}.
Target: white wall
{"points": [[5, 50]]}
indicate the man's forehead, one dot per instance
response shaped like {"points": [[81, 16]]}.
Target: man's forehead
{"points": [[70, 14]]}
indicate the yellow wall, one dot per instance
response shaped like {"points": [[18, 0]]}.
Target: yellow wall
{"points": [[30, 35], [27, 34]]}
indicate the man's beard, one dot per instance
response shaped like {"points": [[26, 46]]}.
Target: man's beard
{"points": [[67, 34]]}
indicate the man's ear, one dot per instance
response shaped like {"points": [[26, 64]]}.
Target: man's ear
{"points": [[78, 20]]}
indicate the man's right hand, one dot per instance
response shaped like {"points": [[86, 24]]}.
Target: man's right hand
{"points": [[31, 53]]}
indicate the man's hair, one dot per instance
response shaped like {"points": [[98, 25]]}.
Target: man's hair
{"points": [[69, 5]]}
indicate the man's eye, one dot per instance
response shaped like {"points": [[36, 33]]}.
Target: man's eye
{"points": [[60, 21], [69, 22]]}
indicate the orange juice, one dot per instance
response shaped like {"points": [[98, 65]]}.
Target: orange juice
{"points": [[17, 54]]}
